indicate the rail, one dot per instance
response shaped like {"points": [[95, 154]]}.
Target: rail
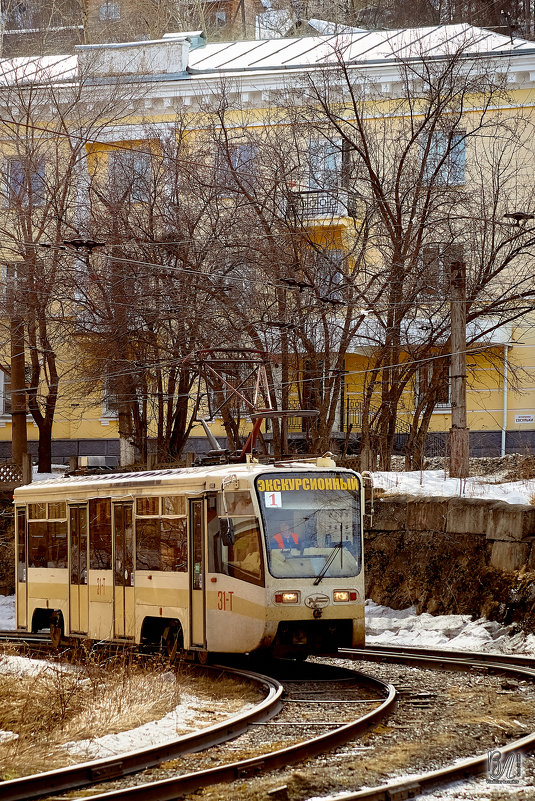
{"points": [[408, 787], [89, 773], [169, 789]]}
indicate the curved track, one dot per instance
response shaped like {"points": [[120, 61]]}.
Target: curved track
{"points": [[169, 789], [89, 773], [409, 787]]}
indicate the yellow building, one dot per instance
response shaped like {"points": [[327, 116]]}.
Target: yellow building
{"points": [[361, 167]]}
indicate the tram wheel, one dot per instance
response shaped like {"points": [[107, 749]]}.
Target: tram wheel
{"points": [[56, 629], [202, 657], [172, 641]]}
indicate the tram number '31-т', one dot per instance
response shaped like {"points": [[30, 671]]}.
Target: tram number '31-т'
{"points": [[224, 601], [101, 586]]}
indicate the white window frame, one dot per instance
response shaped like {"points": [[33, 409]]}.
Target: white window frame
{"points": [[130, 169], [110, 10], [324, 166], [440, 406], [5, 394], [452, 170], [12, 199], [110, 410]]}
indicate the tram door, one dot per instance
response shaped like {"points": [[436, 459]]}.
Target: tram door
{"points": [[22, 569], [123, 574], [196, 571], [78, 588]]}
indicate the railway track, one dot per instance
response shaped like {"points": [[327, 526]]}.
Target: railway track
{"points": [[519, 666], [375, 700], [327, 735], [90, 773]]}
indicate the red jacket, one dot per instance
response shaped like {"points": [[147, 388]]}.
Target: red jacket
{"points": [[279, 539]]}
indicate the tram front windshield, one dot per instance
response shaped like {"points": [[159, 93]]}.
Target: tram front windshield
{"points": [[311, 524]]}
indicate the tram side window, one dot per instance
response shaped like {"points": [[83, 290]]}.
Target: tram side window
{"points": [[161, 544], [47, 543], [100, 534], [243, 558], [21, 528], [239, 503], [148, 506]]}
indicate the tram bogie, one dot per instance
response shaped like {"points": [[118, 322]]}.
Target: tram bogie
{"points": [[232, 559]]}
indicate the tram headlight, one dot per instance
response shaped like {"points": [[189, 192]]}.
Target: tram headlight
{"points": [[344, 596], [287, 598]]}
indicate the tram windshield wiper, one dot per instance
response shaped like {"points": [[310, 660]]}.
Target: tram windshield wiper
{"points": [[328, 562]]}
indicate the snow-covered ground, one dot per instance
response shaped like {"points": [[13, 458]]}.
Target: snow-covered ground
{"points": [[437, 483], [385, 626], [188, 716], [7, 612]]}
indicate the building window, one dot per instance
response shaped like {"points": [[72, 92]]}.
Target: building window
{"points": [[220, 18], [25, 183], [431, 378], [109, 11], [129, 176], [436, 270], [446, 159], [239, 163], [330, 275], [5, 391], [19, 16], [325, 164], [110, 398]]}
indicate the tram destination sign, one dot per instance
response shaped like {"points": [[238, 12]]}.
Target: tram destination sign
{"points": [[524, 418], [307, 484]]}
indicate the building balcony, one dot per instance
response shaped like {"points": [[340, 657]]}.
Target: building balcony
{"points": [[323, 204]]}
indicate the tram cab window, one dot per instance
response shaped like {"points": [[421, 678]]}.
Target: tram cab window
{"points": [[312, 524], [239, 503], [241, 557], [100, 534]]}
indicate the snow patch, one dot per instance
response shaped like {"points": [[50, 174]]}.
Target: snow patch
{"points": [[7, 612], [436, 483], [385, 626]]}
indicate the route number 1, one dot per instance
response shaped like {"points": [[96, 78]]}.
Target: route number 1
{"points": [[273, 500]]}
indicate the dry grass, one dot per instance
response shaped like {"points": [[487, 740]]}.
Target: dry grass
{"points": [[62, 703]]}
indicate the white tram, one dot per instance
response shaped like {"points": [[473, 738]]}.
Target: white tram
{"points": [[194, 558]]}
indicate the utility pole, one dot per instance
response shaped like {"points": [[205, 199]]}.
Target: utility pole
{"points": [[19, 441], [459, 432]]}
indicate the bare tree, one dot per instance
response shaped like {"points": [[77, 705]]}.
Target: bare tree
{"points": [[431, 171], [45, 127]]}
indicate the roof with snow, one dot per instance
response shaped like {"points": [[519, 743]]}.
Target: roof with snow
{"points": [[356, 47], [175, 58]]}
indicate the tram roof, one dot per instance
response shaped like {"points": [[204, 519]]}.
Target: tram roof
{"points": [[160, 478]]}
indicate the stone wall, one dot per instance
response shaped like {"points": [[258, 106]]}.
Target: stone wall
{"points": [[453, 555]]}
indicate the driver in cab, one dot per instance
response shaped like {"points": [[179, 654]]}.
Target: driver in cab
{"points": [[285, 538]]}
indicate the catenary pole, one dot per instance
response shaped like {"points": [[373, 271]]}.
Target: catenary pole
{"points": [[459, 432]]}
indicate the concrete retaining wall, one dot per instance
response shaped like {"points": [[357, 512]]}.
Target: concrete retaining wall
{"points": [[453, 555]]}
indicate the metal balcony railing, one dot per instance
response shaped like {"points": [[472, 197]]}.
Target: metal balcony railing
{"points": [[312, 204]]}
